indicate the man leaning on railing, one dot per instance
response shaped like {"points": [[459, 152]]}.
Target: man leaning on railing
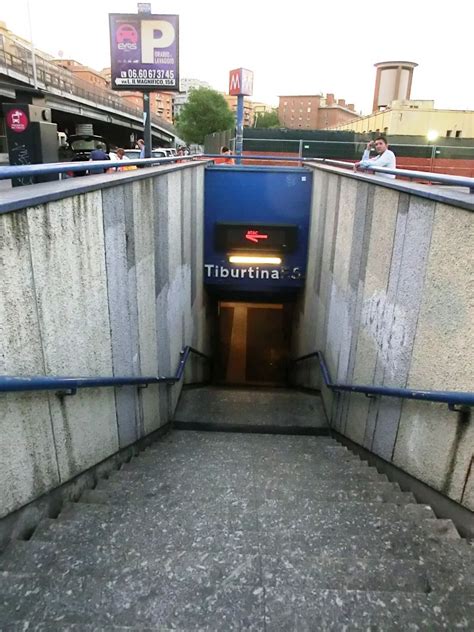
{"points": [[384, 158]]}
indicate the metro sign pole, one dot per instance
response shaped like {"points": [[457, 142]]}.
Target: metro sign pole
{"points": [[240, 85]]}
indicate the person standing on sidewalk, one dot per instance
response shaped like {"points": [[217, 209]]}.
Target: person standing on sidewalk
{"points": [[384, 158]]}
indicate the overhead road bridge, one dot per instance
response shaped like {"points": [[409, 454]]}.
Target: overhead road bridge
{"points": [[73, 100]]}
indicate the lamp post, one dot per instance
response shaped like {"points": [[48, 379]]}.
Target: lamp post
{"points": [[432, 136], [33, 54]]}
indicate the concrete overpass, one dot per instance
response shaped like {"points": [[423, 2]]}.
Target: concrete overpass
{"points": [[75, 101]]}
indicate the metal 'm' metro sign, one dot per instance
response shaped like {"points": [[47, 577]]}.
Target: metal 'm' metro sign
{"points": [[241, 82]]}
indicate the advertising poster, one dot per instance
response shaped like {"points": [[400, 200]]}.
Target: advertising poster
{"points": [[144, 51]]}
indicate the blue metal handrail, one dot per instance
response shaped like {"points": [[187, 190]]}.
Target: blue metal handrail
{"points": [[442, 178], [8, 172], [9, 384], [53, 168], [452, 398]]}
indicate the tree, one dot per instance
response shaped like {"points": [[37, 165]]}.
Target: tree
{"points": [[205, 112], [267, 119]]}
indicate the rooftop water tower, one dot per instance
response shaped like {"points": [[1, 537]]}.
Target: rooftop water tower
{"points": [[392, 82]]}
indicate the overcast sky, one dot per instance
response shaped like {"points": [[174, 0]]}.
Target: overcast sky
{"points": [[301, 47]]}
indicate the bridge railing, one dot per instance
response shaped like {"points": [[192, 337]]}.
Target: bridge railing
{"points": [[52, 76]]}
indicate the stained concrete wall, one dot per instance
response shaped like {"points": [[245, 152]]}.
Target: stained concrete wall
{"points": [[100, 276], [389, 300]]}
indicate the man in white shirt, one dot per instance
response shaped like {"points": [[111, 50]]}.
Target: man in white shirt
{"points": [[384, 158]]}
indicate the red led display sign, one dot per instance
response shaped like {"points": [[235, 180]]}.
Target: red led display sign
{"points": [[277, 238]]}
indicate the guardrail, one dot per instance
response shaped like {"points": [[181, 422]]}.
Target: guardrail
{"points": [[93, 166], [62, 167], [452, 398], [441, 178], [69, 385]]}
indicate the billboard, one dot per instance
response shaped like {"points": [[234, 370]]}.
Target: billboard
{"points": [[241, 82], [144, 51]]}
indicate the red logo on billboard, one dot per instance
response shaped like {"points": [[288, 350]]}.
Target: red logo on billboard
{"points": [[126, 37], [254, 235], [17, 120]]}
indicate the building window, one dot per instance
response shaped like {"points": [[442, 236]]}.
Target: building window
{"points": [[448, 133], [285, 102], [308, 110], [458, 133], [385, 130]]}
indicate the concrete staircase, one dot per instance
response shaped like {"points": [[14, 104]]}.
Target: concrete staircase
{"points": [[227, 531]]}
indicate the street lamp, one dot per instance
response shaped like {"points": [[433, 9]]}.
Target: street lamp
{"points": [[33, 52], [432, 136]]}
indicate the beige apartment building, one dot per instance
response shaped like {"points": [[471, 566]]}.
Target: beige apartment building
{"points": [[248, 108], [414, 118], [313, 111]]}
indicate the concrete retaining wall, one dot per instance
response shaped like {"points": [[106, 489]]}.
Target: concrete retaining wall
{"points": [[105, 278], [389, 300]]}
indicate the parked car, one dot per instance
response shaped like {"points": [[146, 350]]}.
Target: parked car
{"points": [[132, 154], [79, 148], [158, 153]]}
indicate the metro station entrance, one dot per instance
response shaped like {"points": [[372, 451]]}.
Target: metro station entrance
{"points": [[253, 343]]}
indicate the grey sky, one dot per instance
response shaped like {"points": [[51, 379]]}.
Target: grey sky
{"points": [[307, 48]]}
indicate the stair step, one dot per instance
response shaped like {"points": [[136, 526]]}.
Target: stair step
{"points": [[182, 530], [42, 555], [59, 626], [285, 568], [226, 595], [231, 472], [191, 602], [302, 510], [335, 610], [103, 496], [132, 486], [384, 573]]}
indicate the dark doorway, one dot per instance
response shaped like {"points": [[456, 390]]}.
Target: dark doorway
{"points": [[254, 343]]}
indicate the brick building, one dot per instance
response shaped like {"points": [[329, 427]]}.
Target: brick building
{"points": [[89, 75], [313, 111]]}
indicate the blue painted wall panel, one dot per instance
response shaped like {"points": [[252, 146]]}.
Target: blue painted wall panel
{"points": [[257, 195]]}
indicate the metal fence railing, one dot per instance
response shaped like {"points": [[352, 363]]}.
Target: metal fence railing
{"points": [[57, 168]]}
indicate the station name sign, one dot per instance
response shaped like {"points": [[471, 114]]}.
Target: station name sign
{"points": [[252, 273], [144, 51]]}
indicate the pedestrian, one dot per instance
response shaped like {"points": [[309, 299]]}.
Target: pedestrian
{"points": [[384, 158], [141, 147], [226, 160], [121, 156], [98, 154]]}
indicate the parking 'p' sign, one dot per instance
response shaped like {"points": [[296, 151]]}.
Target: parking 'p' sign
{"points": [[144, 51]]}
